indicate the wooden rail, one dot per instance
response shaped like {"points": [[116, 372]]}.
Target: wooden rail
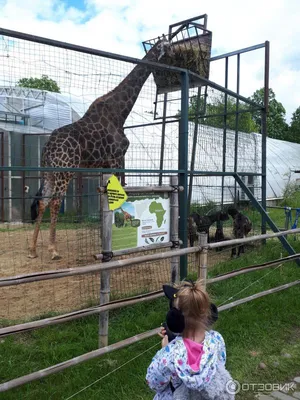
{"points": [[26, 278], [43, 373], [55, 274], [42, 323]]}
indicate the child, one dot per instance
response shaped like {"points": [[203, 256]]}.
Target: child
{"points": [[192, 366]]}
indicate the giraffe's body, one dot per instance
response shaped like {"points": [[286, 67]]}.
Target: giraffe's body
{"points": [[97, 140], [127, 216]]}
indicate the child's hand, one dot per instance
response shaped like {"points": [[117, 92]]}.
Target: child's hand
{"points": [[163, 334], [165, 341]]}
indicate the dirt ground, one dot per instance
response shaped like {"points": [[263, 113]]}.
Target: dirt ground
{"points": [[24, 301], [77, 247]]}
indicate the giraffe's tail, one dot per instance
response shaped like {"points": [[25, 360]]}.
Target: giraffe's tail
{"points": [[35, 204]]}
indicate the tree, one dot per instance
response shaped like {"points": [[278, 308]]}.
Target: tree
{"points": [[119, 219], [276, 125], [295, 126], [43, 83], [217, 107]]}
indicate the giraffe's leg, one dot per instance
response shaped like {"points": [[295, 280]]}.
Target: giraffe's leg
{"points": [[54, 210], [61, 185], [32, 247]]}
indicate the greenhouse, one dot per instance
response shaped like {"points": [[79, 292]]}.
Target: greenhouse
{"points": [[28, 116]]}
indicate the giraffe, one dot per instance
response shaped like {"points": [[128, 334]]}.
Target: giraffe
{"points": [[127, 216], [97, 140]]}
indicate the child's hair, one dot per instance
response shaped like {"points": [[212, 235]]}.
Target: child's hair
{"points": [[194, 303]]}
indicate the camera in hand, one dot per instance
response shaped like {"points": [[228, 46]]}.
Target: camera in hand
{"points": [[171, 335]]}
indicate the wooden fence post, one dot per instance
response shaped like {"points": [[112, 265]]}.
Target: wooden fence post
{"points": [[106, 239], [201, 257], [174, 223]]}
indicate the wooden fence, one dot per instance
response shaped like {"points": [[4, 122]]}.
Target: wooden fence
{"points": [[104, 308]]}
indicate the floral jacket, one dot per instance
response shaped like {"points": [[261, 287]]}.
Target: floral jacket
{"points": [[184, 361]]}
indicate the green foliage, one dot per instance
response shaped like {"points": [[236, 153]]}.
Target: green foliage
{"points": [[119, 219], [248, 120], [295, 126], [291, 194], [216, 107], [277, 126], [43, 83]]}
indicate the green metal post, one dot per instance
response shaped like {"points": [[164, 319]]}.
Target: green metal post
{"points": [[163, 136], [183, 165], [264, 138], [198, 105], [224, 130], [236, 137]]}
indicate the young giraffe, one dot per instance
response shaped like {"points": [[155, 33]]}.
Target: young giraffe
{"points": [[97, 140], [127, 216]]}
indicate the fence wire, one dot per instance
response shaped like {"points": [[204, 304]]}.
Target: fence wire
{"points": [[27, 119]]}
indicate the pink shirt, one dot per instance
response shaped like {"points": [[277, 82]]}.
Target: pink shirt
{"points": [[194, 353]]}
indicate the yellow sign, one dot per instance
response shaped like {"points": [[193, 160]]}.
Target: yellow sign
{"points": [[115, 193]]}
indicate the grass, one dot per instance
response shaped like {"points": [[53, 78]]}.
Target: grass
{"points": [[124, 237], [255, 332]]}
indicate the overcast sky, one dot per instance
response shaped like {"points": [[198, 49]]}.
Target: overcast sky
{"points": [[120, 26]]}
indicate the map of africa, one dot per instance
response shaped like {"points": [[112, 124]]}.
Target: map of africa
{"points": [[159, 211]]}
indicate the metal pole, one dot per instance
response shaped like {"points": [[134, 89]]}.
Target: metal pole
{"points": [[79, 182], [106, 238], [234, 53], [23, 177], [198, 104], [264, 132], [224, 130], [236, 138], [9, 177], [174, 214], [2, 177], [183, 165], [163, 136]]}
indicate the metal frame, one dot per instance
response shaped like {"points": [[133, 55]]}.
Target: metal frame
{"points": [[239, 98], [2, 176], [183, 165], [183, 170], [262, 209]]}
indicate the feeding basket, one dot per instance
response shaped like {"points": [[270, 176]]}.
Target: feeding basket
{"points": [[191, 49]]}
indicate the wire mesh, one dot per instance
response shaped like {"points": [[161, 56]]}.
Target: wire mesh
{"points": [[28, 117]]}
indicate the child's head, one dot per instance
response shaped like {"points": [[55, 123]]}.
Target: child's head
{"points": [[194, 303]]}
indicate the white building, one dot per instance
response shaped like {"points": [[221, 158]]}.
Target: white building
{"points": [[28, 116]]}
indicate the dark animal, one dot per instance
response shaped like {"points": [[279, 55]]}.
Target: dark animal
{"points": [[219, 235], [241, 227], [202, 223]]}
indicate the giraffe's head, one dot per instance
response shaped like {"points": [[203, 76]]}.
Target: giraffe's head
{"points": [[163, 46]]}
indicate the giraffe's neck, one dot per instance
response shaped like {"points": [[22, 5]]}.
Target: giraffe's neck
{"points": [[123, 97]]}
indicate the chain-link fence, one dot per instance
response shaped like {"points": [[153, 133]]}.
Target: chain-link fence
{"points": [[78, 76]]}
